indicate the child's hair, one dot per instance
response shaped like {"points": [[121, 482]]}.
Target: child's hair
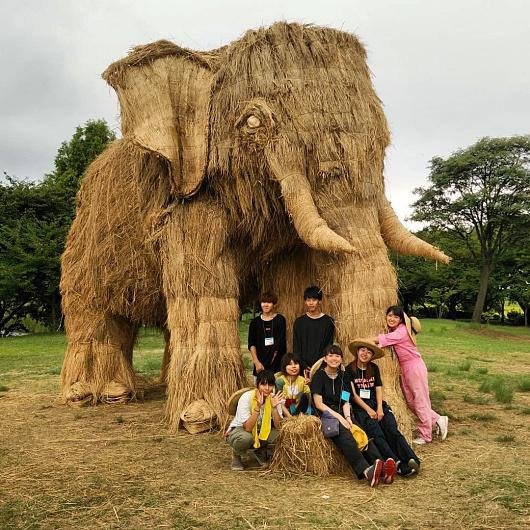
{"points": [[333, 348], [313, 292], [265, 376], [368, 372], [287, 359], [396, 310], [268, 296]]}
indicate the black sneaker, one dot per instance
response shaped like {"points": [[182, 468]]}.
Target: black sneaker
{"points": [[261, 456], [374, 472], [414, 464]]}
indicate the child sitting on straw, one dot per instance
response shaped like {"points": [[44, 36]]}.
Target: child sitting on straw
{"points": [[331, 389], [258, 416], [293, 385], [372, 413]]}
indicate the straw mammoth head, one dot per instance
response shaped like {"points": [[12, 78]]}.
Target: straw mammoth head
{"points": [[278, 124]]}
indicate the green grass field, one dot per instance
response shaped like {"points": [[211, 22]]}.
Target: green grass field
{"points": [[118, 467]]}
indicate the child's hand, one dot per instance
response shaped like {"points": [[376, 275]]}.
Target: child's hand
{"points": [[259, 397], [278, 399], [345, 422], [372, 413]]}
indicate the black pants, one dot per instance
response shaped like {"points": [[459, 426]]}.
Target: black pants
{"points": [[347, 445], [385, 435]]}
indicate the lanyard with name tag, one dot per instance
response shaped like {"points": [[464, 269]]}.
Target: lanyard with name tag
{"points": [[364, 393]]}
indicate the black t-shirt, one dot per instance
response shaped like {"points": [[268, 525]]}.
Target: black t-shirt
{"points": [[331, 389], [363, 383], [261, 333], [311, 336]]}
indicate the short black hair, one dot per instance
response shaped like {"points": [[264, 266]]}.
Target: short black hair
{"points": [[265, 376], [313, 292], [288, 358], [333, 348], [268, 296], [398, 311]]}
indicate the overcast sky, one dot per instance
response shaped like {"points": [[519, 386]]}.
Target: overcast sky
{"points": [[448, 72]]}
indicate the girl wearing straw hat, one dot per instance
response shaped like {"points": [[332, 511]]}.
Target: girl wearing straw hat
{"points": [[331, 389], [414, 379], [374, 414]]}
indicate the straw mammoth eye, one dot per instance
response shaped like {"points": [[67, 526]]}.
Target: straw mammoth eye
{"points": [[253, 122]]}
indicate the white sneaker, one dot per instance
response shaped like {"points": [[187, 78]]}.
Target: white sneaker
{"points": [[443, 423], [419, 441]]}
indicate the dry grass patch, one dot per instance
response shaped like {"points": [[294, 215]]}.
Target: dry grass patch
{"points": [[117, 466]]}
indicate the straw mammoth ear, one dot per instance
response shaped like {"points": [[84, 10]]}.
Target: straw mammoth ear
{"points": [[164, 94]]}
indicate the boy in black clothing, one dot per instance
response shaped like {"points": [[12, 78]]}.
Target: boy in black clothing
{"points": [[313, 331]]}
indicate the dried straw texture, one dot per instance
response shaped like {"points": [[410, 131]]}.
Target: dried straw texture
{"points": [[164, 94], [201, 287], [321, 118], [198, 417], [302, 448], [109, 278], [257, 165]]}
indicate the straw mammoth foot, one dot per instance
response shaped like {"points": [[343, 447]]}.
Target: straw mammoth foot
{"points": [[82, 393]]}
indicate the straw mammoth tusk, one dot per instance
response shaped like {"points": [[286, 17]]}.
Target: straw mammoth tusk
{"points": [[309, 225], [399, 239]]}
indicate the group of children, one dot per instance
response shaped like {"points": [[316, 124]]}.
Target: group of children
{"points": [[314, 376]]}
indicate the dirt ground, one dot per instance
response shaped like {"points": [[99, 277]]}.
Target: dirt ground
{"points": [[118, 467]]}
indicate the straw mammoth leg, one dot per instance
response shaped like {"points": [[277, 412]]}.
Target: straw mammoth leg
{"points": [[205, 358], [201, 290], [98, 362], [359, 290]]}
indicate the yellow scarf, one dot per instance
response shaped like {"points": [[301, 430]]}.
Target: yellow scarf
{"points": [[265, 421]]}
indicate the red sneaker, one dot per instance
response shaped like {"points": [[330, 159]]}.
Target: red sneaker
{"points": [[374, 472], [389, 470]]}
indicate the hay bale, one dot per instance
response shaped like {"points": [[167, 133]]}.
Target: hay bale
{"points": [[198, 417], [302, 448]]}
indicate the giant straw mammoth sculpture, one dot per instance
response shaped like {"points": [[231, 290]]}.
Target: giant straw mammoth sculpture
{"points": [[260, 163]]}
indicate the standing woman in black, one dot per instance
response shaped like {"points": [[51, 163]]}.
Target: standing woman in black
{"points": [[267, 336]]}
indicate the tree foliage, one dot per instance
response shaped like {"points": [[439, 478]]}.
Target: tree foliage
{"points": [[34, 221], [480, 195]]}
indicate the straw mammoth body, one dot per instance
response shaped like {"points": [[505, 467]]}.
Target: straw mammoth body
{"points": [[260, 163]]}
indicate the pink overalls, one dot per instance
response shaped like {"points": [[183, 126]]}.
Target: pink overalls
{"points": [[414, 379]]}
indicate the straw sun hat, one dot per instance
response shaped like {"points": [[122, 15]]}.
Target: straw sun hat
{"points": [[356, 344], [234, 399], [413, 326]]}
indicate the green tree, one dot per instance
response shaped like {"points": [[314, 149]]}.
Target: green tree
{"points": [[450, 291], [481, 195], [34, 222]]}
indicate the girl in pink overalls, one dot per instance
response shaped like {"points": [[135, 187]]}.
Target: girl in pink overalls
{"points": [[414, 380]]}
